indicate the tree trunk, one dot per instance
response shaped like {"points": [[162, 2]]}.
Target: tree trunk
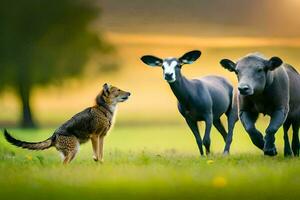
{"points": [[24, 94]]}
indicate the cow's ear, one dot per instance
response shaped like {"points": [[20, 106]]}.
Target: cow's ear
{"points": [[229, 65], [152, 61], [273, 63], [189, 57]]}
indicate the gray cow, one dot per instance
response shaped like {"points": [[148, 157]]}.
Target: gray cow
{"points": [[270, 87]]}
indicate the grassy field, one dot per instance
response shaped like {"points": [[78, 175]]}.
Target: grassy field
{"points": [[148, 163]]}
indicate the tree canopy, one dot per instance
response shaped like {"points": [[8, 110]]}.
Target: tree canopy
{"points": [[44, 41]]}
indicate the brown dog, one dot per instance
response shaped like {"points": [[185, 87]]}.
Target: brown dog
{"points": [[92, 123]]}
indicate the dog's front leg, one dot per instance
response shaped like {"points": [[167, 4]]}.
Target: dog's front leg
{"points": [[95, 144], [101, 143]]}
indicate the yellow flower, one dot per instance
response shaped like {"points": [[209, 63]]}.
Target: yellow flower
{"points": [[210, 162], [28, 157], [219, 181]]}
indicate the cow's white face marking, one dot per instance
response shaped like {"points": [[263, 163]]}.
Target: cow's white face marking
{"points": [[169, 70]]}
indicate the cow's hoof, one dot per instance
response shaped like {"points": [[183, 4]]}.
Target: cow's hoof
{"points": [[269, 147], [226, 153], [270, 152]]}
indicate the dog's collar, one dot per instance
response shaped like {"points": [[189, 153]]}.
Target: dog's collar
{"points": [[104, 105]]}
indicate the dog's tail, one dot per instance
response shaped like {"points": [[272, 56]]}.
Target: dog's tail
{"points": [[29, 145]]}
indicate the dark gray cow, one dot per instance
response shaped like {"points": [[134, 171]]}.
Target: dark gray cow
{"points": [[270, 87], [203, 99]]}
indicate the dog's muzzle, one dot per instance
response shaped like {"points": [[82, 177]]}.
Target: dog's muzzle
{"points": [[126, 97]]}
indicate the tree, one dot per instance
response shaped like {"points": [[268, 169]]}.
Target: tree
{"points": [[43, 41]]}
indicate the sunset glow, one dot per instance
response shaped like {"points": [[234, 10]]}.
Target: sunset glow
{"points": [[129, 39]]}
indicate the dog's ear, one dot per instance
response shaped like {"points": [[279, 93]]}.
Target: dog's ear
{"points": [[106, 88]]}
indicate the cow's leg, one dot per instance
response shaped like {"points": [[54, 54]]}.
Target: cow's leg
{"points": [[219, 126], [295, 140], [248, 120], [195, 130], [277, 119], [287, 146], [206, 138], [232, 118]]}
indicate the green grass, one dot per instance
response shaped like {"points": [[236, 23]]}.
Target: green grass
{"points": [[148, 163]]}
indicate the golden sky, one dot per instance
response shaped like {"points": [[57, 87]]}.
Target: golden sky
{"points": [[230, 18]]}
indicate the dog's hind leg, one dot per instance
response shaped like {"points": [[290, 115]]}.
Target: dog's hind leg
{"points": [[68, 146], [69, 156]]}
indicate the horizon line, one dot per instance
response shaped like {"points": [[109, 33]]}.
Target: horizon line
{"points": [[170, 40]]}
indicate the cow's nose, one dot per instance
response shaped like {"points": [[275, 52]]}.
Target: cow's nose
{"points": [[169, 76], [244, 89]]}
